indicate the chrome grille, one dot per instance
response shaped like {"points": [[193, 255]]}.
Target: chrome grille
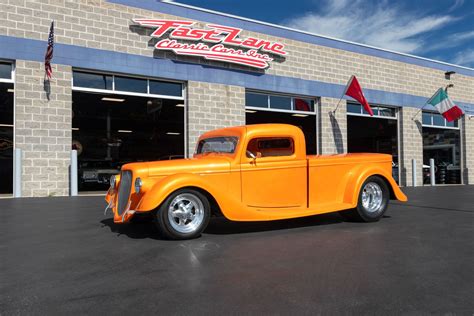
{"points": [[125, 186]]}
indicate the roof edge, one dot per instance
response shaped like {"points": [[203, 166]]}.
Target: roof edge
{"points": [[312, 34]]}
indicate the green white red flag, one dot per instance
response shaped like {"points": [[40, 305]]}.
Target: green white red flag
{"points": [[445, 106]]}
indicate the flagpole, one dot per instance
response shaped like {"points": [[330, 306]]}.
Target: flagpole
{"points": [[343, 93], [429, 100]]}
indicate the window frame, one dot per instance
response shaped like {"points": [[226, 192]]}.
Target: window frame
{"points": [[291, 96], [12, 74], [437, 126], [120, 92], [395, 117], [292, 140], [237, 138]]}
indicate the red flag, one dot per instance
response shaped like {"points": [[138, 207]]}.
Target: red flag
{"points": [[354, 90], [301, 105]]}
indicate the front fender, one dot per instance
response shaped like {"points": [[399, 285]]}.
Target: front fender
{"points": [[154, 196], [360, 174]]}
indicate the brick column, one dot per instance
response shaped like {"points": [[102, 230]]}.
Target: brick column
{"points": [[43, 128], [332, 127], [468, 149], [212, 106], [411, 145]]}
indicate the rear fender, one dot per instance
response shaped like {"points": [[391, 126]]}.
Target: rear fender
{"points": [[358, 177]]}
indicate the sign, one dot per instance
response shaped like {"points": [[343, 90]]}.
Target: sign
{"points": [[215, 42]]}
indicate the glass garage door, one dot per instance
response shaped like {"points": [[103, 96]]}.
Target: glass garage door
{"points": [[119, 119], [373, 134], [261, 107], [6, 127], [441, 142]]}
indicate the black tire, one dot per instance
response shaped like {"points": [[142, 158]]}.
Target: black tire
{"points": [[197, 218], [364, 213]]}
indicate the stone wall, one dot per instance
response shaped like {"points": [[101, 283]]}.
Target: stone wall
{"points": [[212, 106], [411, 146], [468, 144], [104, 25], [332, 126], [43, 128]]}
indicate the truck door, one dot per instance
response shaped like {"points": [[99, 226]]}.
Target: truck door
{"points": [[271, 175]]}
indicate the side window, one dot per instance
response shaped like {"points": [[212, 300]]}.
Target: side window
{"points": [[271, 147]]}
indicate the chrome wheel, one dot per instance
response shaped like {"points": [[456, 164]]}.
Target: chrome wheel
{"points": [[372, 197], [186, 213]]}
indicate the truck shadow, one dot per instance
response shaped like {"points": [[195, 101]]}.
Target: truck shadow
{"points": [[221, 226], [137, 230]]}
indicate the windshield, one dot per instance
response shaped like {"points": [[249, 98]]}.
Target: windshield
{"points": [[217, 145]]}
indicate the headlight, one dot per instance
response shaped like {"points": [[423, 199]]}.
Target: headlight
{"points": [[112, 182], [138, 184]]}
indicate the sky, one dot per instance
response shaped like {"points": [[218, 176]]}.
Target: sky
{"points": [[437, 29]]}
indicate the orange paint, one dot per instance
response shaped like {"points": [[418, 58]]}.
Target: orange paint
{"points": [[277, 183]]}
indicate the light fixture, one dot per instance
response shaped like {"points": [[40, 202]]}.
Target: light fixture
{"points": [[6, 125], [112, 99], [300, 115], [250, 111], [75, 128], [11, 90], [180, 105], [447, 74], [124, 131], [138, 184], [172, 133]]}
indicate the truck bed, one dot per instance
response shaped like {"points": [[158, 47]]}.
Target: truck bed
{"points": [[348, 158]]}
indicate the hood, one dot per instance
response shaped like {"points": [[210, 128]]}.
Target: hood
{"points": [[208, 164]]}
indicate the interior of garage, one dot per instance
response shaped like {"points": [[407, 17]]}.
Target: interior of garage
{"points": [[377, 134], [111, 130], [262, 108], [306, 122], [441, 142], [6, 130]]}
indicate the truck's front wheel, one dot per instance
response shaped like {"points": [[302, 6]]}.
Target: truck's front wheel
{"points": [[183, 215], [373, 201]]}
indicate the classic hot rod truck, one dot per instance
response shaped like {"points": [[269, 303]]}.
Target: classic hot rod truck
{"points": [[252, 173]]}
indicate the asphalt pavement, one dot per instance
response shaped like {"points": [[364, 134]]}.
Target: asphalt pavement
{"points": [[62, 255]]}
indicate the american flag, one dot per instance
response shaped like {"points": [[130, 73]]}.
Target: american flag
{"points": [[49, 52]]}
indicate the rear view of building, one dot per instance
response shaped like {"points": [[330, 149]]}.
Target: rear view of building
{"points": [[141, 80]]}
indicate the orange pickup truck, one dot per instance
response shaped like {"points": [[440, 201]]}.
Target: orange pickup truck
{"points": [[252, 173]]}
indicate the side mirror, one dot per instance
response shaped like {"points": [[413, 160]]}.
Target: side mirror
{"points": [[251, 155]]}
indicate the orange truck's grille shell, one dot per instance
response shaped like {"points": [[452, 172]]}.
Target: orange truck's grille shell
{"points": [[124, 191]]}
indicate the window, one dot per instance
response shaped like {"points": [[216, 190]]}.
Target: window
{"points": [[432, 119], [278, 102], [86, 81], [379, 111], [256, 100], [270, 147], [94, 81], [131, 84], [6, 71], [217, 145], [166, 88]]}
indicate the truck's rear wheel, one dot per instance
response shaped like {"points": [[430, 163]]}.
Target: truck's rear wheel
{"points": [[372, 203], [183, 215]]}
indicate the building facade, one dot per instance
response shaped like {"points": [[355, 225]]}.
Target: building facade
{"points": [[121, 91]]}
